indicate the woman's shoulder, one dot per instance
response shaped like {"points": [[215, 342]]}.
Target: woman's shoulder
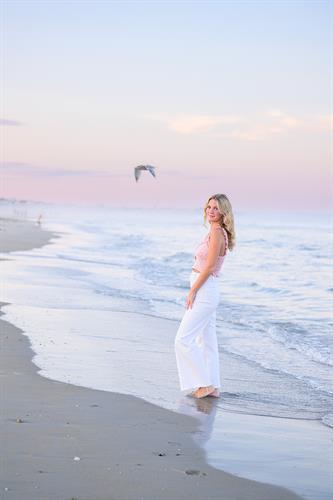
{"points": [[215, 230], [221, 230]]}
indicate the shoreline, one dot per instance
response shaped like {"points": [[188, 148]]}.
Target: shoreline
{"points": [[64, 441], [17, 235]]}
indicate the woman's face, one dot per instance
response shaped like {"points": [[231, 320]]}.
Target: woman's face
{"points": [[212, 211]]}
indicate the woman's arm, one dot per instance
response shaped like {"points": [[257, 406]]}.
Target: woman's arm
{"points": [[217, 243]]}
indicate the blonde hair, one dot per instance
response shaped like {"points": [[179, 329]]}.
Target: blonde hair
{"points": [[227, 220]]}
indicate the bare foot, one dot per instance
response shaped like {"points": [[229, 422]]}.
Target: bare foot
{"points": [[215, 393], [202, 392]]}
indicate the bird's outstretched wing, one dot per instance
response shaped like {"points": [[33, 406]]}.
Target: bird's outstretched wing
{"points": [[151, 170], [139, 168], [137, 172]]}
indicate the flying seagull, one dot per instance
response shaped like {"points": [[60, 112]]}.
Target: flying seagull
{"points": [[137, 170]]}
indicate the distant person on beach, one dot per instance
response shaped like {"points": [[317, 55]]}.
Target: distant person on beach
{"points": [[39, 220], [196, 345]]}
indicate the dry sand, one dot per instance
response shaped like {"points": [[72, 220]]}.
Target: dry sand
{"points": [[61, 442]]}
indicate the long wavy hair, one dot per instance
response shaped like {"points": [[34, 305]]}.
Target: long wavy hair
{"points": [[227, 219]]}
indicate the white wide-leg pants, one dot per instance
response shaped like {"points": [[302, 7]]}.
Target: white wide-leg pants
{"points": [[196, 346]]}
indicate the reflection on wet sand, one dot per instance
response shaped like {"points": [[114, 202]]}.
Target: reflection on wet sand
{"points": [[204, 410]]}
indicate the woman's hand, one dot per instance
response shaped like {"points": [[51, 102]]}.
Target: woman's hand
{"points": [[190, 299]]}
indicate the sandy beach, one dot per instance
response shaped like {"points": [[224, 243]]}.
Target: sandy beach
{"points": [[60, 441], [18, 235]]}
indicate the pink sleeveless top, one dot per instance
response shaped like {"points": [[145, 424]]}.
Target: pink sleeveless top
{"points": [[201, 254]]}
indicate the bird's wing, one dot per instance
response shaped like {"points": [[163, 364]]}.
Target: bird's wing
{"points": [[151, 170], [137, 172]]}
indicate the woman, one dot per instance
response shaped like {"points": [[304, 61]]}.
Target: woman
{"points": [[196, 343]]}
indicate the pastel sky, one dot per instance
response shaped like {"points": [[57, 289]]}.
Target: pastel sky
{"points": [[221, 96]]}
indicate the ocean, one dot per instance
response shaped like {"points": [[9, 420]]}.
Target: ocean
{"points": [[102, 304]]}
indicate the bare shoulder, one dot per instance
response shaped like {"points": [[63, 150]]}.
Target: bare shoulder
{"points": [[220, 233], [216, 233], [217, 230], [220, 229]]}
